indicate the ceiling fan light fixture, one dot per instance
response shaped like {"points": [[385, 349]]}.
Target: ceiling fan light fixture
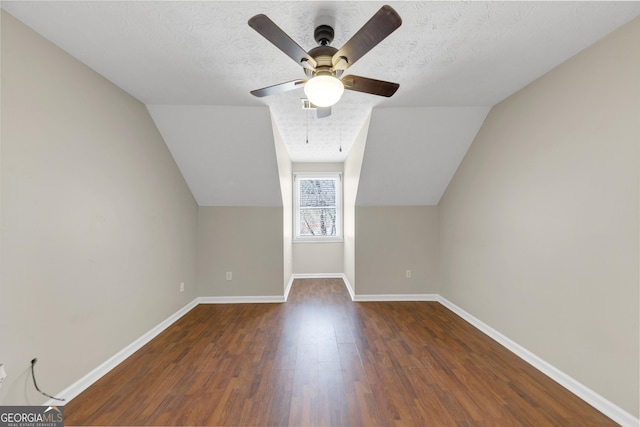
{"points": [[324, 90]]}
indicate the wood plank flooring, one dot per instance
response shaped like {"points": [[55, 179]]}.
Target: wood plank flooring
{"points": [[322, 360]]}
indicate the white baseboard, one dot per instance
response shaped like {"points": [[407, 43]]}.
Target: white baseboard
{"points": [[317, 276], [83, 383], [603, 405], [288, 288], [349, 288], [396, 297], [241, 299]]}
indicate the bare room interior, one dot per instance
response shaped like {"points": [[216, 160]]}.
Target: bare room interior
{"points": [[483, 163]]}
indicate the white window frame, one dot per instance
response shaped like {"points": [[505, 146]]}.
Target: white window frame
{"points": [[297, 177]]}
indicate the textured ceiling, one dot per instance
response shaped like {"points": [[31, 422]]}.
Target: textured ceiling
{"points": [[204, 53], [453, 61]]}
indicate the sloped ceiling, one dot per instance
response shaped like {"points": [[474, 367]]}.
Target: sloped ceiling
{"points": [[182, 58], [229, 146], [412, 138]]}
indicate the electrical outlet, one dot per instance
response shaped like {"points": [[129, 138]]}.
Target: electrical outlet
{"points": [[181, 286], [3, 374], [407, 274], [229, 275]]}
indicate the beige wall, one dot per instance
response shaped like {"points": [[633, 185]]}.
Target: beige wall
{"points": [[537, 235], [391, 240], [539, 227], [317, 257], [98, 225], [246, 241]]}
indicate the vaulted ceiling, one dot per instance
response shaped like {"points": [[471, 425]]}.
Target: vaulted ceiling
{"points": [[193, 64]]}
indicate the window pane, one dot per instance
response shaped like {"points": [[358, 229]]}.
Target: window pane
{"points": [[317, 221], [317, 206], [317, 192]]}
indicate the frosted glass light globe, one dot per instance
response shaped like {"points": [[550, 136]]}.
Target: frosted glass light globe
{"points": [[324, 91]]}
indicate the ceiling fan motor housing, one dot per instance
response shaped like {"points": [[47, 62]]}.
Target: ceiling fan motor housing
{"points": [[323, 56], [323, 35]]}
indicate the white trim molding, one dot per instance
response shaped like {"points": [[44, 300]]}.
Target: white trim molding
{"points": [[83, 383], [603, 405], [288, 288], [317, 276], [396, 297], [336, 177], [241, 299], [349, 287]]}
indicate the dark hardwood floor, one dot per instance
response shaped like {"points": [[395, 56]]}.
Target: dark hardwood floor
{"points": [[322, 360]]}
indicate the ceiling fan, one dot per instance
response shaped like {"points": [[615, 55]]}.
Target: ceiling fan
{"points": [[324, 64]]}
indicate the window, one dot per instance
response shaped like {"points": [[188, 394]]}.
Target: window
{"points": [[318, 206]]}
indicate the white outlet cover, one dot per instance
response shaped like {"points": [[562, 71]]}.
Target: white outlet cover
{"points": [[3, 374]]}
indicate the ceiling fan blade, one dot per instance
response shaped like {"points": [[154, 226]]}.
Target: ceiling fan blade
{"points": [[383, 23], [367, 85], [279, 88], [270, 31], [323, 112]]}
